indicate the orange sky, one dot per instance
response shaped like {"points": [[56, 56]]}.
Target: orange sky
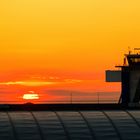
{"points": [[55, 41]]}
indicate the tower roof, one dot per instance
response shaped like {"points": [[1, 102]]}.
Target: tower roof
{"points": [[133, 59]]}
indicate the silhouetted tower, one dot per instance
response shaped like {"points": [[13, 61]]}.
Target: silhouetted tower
{"points": [[130, 79]]}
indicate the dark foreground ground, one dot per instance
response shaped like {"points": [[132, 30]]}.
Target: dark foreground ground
{"points": [[45, 107], [69, 122]]}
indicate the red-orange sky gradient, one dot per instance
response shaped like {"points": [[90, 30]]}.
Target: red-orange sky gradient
{"points": [[56, 47]]}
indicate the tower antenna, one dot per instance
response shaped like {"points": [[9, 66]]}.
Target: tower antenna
{"points": [[129, 49]]}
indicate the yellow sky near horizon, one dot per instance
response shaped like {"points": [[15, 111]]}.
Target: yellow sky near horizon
{"points": [[64, 46], [74, 36]]}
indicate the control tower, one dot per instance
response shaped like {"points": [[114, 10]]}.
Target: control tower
{"points": [[129, 76]]}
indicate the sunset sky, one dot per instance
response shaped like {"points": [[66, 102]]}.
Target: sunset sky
{"points": [[64, 45]]}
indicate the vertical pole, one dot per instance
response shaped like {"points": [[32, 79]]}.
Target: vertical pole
{"points": [[98, 97], [71, 97]]}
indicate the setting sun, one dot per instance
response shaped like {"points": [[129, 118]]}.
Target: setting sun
{"points": [[31, 96]]}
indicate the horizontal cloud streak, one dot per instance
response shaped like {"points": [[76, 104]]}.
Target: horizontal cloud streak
{"points": [[40, 83], [26, 83]]}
